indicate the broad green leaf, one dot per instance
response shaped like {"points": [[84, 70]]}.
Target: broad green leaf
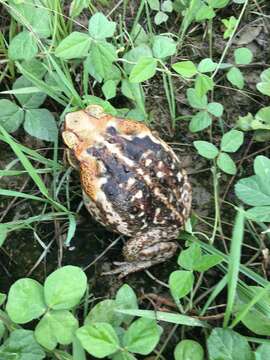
{"points": [[218, 4], [143, 70], [23, 47], [262, 352], [230, 25], [126, 299], [102, 55], [215, 109], [203, 84], [206, 149], [243, 56], [123, 356], [200, 121], [41, 124], [99, 339], [21, 345], [206, 65], [163, 47], [188, 350], [139, 35], [206, 262], [185, 68], [232, 140], [263, 115], [197, 102], [100, 27], [154, 4], [35, 14], [56, 326], [76, 45], [77, 6], [160, 17], [133, 92], [181, 283], [204, 13], [104, 311], [25, 301], [259, 213], [142, 336], [226, 163], [64, 288], [235, 77], [11, 115], [188, 258], [35, 67], [167, 6], [2, 330], [264, 85], [29, 101], [134, 55], [109, 89], [262, 167], [228, 344], [249, 190]]}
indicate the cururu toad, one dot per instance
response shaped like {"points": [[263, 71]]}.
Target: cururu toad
{"points": [[132, 183]]}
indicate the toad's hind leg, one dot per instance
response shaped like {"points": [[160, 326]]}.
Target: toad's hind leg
{"points": [[144, 250]]}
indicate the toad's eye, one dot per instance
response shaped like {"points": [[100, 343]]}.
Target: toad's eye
{"points": [[111, 130]]}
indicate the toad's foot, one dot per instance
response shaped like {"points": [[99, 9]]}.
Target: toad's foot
{"points": [[126, 268]]}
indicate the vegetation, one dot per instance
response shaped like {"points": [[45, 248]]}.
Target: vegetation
{"points": [[206, 64]]}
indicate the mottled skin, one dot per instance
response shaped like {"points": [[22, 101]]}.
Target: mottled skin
{"points": [[132, 183]]}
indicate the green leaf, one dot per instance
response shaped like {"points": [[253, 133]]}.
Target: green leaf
{"points": [[143, 70], [160, 17], [228, 344], [33, 14], [104, 311], [29, 101], [23, 47], [188, 258], [99, 340], [197, 102], [262, 352], [102, 55], [235, 77], [226, 164], [134, 55], [218, 4], [188, 350], [259, 214], [154, 4], [181, 283], [185, 68], [243, 56], [203, 84], [126, 299], [232, 140], [250, 191], [41, 124], [200, 121], [139, 36], [76, 45], [142, 336], [230, 25], [77, 6], [11, 115], [206, 149], [206, 262], [2, 298], [64, 288], [21, 345], [207, 65], [215, 109], [263, 115], [262, 167], [167, 6], [2, 330], [163, 47], [123, 356], [35, 67], [25, 301], [56, 326], [109, 89], [264, 85], [204, 13], [100, 27]]}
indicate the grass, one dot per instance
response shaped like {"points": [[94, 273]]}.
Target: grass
{"points": [[231, 288]]}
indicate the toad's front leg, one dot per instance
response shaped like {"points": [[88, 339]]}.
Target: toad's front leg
{"points": [[144, 250]]}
